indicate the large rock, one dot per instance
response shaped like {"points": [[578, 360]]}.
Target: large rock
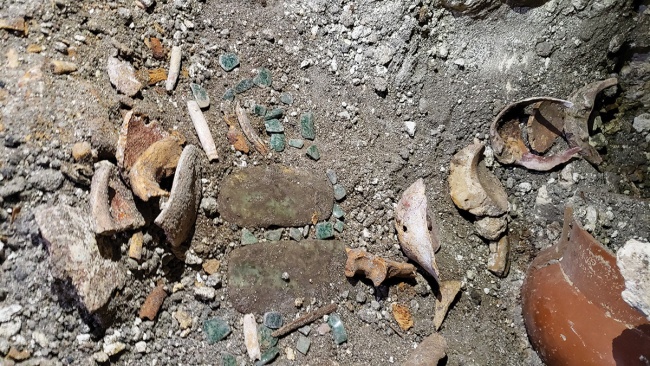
{"points": [[275, 196], [76, 257], [315, 269]]}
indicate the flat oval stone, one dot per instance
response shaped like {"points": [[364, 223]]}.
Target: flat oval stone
{"points": [[275, 196]]}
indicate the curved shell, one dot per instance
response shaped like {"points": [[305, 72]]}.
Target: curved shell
{"points": [[416, 233], [472, 187]]}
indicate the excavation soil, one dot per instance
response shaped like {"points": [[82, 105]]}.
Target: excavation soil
{"points": [[364, 68]]}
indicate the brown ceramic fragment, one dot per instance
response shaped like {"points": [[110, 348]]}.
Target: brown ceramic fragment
{"points": [[572, 305], [544, 126], [448, 292], [375, 268], [154, 76], [178, 215], [416, 231], [111, 202], [157, 49], [473, 187], [153, 302], [211, 266], [402, 316], [135, 245], [14, 24], [157, 162], [235, 136], [498, 262], [430, 352], [135, 136], [17, 355]]}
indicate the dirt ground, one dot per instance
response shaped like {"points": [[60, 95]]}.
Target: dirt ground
{"points": [[364, 68]]}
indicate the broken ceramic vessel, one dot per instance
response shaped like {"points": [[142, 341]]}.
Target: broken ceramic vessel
{"points": [[178, 215], [473, 187], [572, 305], [111, 203], [417, 233]]}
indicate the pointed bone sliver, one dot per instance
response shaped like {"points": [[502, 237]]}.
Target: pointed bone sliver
{"points": [[448, 292], [155, 163], [499, 146], [202, 130], [245, 124], [179, 213], [546, 163], [375, 268], [417, 236], [111, 202], [576, 125]]}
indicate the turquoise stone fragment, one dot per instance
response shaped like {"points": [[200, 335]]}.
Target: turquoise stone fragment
{"points": [[313, 152], [263, 78], [297, 143], [339, 192], [247, 237], [260, 110], [286, 98], [337, 211], [302, 345], [273, 319], [295, 233], [338, 330], [277, 142], [305, 330], [273, 235], [228, 61], [339, 226], [200, 95], [229, 94], [273, 126], [243, 86], [265, 338], [268, 356], [274, 113], [216, 329], [228, 360], [324, 230], [307, 126]]}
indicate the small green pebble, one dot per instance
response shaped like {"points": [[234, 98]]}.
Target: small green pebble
{"points": [[339, 226], [260, 110], [273, 319], [273, 235], [229, 94], [295, 233], [247, 237], [277, 142], [274, 113], [297, 143], [228, 61], [338, 330], [243, 86], [302, 345], [339, 192], [200, 95], [265, 338], [337, 211], [263, 77], [216, 329], [286, 98], [313, 152], [268, 356], [331, 175], [324, 230], [307, 126], [273, 126], [228, 360]]}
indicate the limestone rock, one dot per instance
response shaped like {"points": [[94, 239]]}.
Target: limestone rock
{"points": [[122, 76], [491, 228], [632, 260]]}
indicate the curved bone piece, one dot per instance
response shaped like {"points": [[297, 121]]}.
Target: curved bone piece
{"points": [[417, 234], [375, 268], [111, 202], [155, 163], [179, 213], [472, 187]]}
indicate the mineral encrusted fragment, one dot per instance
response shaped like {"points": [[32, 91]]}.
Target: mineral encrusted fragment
{"points": [[75, 255]]}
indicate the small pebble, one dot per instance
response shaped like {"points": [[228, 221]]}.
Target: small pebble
{"points": [[313, 153], [228, 61]]}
